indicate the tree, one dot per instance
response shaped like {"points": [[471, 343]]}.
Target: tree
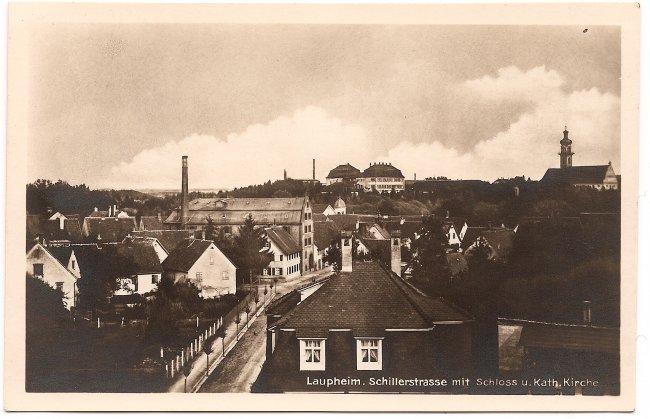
{"points": [[207, 349], [333, 256], [249, 250], [429, 256]]}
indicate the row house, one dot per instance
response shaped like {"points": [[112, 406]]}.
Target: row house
{"points": [[286, 254]]}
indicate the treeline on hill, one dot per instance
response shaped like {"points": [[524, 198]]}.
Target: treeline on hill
{"points": [[479, 202]]}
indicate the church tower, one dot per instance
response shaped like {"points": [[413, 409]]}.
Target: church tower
{"points": [[565, 150]]}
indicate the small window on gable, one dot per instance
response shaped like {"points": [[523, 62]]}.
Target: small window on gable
{"points": [[312, 354], [211, 260], [369, 354], [38, 270]]}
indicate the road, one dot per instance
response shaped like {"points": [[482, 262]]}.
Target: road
{"points": [[239, 370]]}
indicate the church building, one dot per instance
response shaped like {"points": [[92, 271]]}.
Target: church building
{"points": [[597, 177]]}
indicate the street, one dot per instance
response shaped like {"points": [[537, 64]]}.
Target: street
{"points": [[241, 366]]}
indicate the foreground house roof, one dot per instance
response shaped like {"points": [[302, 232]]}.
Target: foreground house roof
{"points": [[186, 255], [570, 337], [369, 300]]}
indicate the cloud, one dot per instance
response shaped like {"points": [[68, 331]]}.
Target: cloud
{"points": [[530, 143], [259, 153]]}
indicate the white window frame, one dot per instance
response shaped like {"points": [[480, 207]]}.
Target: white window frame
{"points": [[367, 344], [225, 276], [199, 276], [307, 347]]}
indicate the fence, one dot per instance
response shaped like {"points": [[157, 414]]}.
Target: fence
{"points": [[236, 315]]}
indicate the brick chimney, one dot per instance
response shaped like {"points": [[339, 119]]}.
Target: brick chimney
{"points": [[313, 169], [185, 205], [346, 251], [395, 252]]}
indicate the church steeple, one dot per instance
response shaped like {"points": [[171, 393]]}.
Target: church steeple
{"points": [[565, 150]]}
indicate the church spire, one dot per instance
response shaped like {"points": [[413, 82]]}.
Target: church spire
{"points": [[565, 150]]}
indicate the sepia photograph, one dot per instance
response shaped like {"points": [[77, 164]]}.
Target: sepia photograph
{"points": [[346, 202]]}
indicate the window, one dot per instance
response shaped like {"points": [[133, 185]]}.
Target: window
{"points": [[225, 276], [369, 354], [59, 286], [38, 270], [154, 279], [281, 257], [199, 276], [211, 260], [266, 271], [312, 354], [73, 265]]}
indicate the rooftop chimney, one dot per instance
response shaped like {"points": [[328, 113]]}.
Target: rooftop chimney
{"points": [[62, 223], [346, 251], [395, 252], [586, 312], [185, 205]]}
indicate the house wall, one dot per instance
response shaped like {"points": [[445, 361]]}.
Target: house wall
{"points": [[53, 273], [441, 353], [288, 261], [218, 273]]}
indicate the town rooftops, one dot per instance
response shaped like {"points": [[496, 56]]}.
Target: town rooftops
{"points": [[283, 240], [111, 229], [341, 221], [369, 300], [576, 175], [325, 232], [186, 254], [569, 337], [61, 253], [141, 255], [169, 239], [151, 222], [382, 170], [247, 204], [345, 171]]}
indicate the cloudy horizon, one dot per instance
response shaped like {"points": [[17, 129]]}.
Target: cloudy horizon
{"points": [[116, 106]]}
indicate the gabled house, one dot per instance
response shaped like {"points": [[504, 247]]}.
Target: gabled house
{"points": [[204, 264], [453, 237], [365, 324], [286, 254], [324, 209], [42, 264], [325, 234], [168, 239], [144, 268]]}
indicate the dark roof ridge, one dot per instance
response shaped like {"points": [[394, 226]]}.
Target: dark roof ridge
{"points": [[583, 326]]}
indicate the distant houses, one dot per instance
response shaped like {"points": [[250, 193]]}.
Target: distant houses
{"points": [[381, 177], [202, 263]]}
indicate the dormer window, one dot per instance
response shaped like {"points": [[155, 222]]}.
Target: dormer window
{"points": [[369, 354], [312, 354]]}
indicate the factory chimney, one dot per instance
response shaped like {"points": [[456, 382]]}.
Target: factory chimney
{"points": [[185, 205], [313, 169]]}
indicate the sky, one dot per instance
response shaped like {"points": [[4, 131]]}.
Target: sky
{"points": [[117, 105]]}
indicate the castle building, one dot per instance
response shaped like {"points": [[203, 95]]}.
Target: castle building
{"points": [[600, 177]]}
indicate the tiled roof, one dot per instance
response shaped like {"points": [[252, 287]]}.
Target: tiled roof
{"points": [[169, 239], [407, 228], [51, 229], [382, 169], [185, 255], [222, 217], [570, 337], [61, 253], [344, 171], [470, 236], [283, 240], [108, 229], [319, 208], [341, 221], [247, 204], [142, 255], [325, 232], [151, 222], [379, 249], [368, 298], [577, 175]]}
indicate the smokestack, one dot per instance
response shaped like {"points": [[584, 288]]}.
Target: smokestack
{"points": [[395, 252], [185, 205], [313, 169], [285, 174], [346, 251], [586, 312], [415, 176]]}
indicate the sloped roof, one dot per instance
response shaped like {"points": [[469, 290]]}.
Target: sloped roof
{"points": [[382, 169], [169, 239], [379, 249], [339, 203], [576, 175], [220, 217], [108, 229], [319, 208], [283, 240], [51, 229], [570, 337], [185, 255], [61, 253], [470, 236], [151, 222], [341, 221], [368, 300], [99, 213], [344, 171], [247, 204], [407, 228], [325, 232], [500, 239], [141, 254]]}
